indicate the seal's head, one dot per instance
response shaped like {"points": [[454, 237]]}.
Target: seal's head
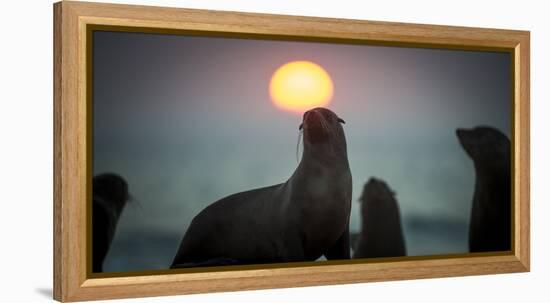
{"points": [[112, 189], [322, 127], [485, 145], [377, 191]]}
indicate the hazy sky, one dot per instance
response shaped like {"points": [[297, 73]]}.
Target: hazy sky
{"points": [[188, 120]]}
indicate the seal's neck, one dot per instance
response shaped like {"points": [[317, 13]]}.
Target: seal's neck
{"points": [[325, 152], [323, 161], [113, 209], [321, 186], [495, 167], [493, 180]]}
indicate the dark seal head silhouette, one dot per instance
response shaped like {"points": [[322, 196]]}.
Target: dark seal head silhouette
{"points": [[110, 195], [299, 220], [381, 231], [491, 214]]}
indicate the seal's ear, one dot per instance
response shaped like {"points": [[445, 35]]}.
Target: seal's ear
{"points": [[341, 121], [301, 126]]}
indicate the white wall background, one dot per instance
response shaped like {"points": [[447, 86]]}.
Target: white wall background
{"points": [[26, 152]]}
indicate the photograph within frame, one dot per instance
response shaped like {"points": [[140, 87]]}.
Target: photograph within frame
{"points": [[296, 119]]}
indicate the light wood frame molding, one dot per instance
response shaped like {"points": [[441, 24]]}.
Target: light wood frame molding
{"points": [[72, 281]]}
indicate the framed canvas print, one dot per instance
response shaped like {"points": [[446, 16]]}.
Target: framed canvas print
{"points": [[201, 151]]}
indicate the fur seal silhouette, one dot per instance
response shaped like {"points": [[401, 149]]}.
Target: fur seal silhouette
{"points": [[491, 215], [381, 232], [110, 194], [299, 220]]}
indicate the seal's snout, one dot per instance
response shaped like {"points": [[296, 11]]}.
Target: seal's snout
{"points": [[315, 126], [376, 187], [464, 137], [111, 187], [321, 125], [313, 121], [461, 133], [313, 117], [373, 180]]}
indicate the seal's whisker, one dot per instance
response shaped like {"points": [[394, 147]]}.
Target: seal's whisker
{"points": [[136, 204], [324, 125], [300, 132], [330, 132]]}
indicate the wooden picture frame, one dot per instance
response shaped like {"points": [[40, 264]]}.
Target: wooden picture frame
{"points": [[73, 280]]}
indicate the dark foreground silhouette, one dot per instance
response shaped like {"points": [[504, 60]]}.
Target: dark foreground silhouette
{"points": [[299, 220], [110, 195], [381, 232], [490, 220]]}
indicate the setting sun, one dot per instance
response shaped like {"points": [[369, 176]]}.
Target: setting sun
{"points": [[300, 85]]}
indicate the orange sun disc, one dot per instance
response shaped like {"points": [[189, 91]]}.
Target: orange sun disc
{"points": [[300, 85]]}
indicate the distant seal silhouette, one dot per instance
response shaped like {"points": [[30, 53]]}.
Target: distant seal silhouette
{"points": [[299, 220], [491, 215], [381, 232], [110, 195]]}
